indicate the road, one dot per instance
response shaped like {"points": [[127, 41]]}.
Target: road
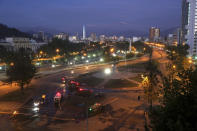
{"points": [[49, 85]]}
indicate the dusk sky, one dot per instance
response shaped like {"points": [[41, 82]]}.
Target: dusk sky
{"points": [[97, 15]]}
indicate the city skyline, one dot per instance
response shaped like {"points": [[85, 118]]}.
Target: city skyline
{"points": [[96, 15]]}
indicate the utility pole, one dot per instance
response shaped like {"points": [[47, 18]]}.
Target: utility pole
{"points": [[87, 115]]}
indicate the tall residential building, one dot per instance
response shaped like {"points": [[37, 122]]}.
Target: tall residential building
{"points": [[189, 25], [84, 32], [154, 34], [184, 22], [93, 36], [41, 35]]}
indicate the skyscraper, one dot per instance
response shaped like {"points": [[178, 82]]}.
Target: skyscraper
{"points": [[84, 32], [154, 34], [93, 36], [184, 22], [189, 25]]}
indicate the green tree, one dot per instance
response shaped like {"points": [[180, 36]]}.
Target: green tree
{"points": [[177, 111], [21, 69], [178, 56], [152, 80], [142, 47]]}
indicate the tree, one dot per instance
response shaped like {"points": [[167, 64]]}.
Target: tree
{"points": [[178, 56], [151, 82], [65, 47], [21, 69], [178, 109], [142, 47]]}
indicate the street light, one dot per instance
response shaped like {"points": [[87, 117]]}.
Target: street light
{"points": [[53, 66], [107, 71], [41, 52], [112, 50], [11, 64], [114, 55], [101, 60], [57, 51], [82, 57]]}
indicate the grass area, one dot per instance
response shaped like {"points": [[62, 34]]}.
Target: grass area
{"points": [[89, 79], [119, 83], [135, 68], [17, 95]]}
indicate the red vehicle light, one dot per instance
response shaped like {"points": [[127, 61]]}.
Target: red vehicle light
{"points": [[80, 89], [58, 94], [74, 82]]}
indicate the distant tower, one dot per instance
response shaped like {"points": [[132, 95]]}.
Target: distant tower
{"points": [[84, 32], [130, 45]]}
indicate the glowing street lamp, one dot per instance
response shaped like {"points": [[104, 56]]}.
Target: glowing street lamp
{"points": [[53, 66], [174, 67], [112, 50], [57, 51], [101, 60], [107, 71], [41, 52], [11, 64], [114, 55]]}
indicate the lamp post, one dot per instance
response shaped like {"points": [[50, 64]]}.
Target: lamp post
{"points": [[41, 53], [57, 51]]}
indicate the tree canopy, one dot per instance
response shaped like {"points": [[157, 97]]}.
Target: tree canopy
{"points": [[21, 69], [177, 111]]}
